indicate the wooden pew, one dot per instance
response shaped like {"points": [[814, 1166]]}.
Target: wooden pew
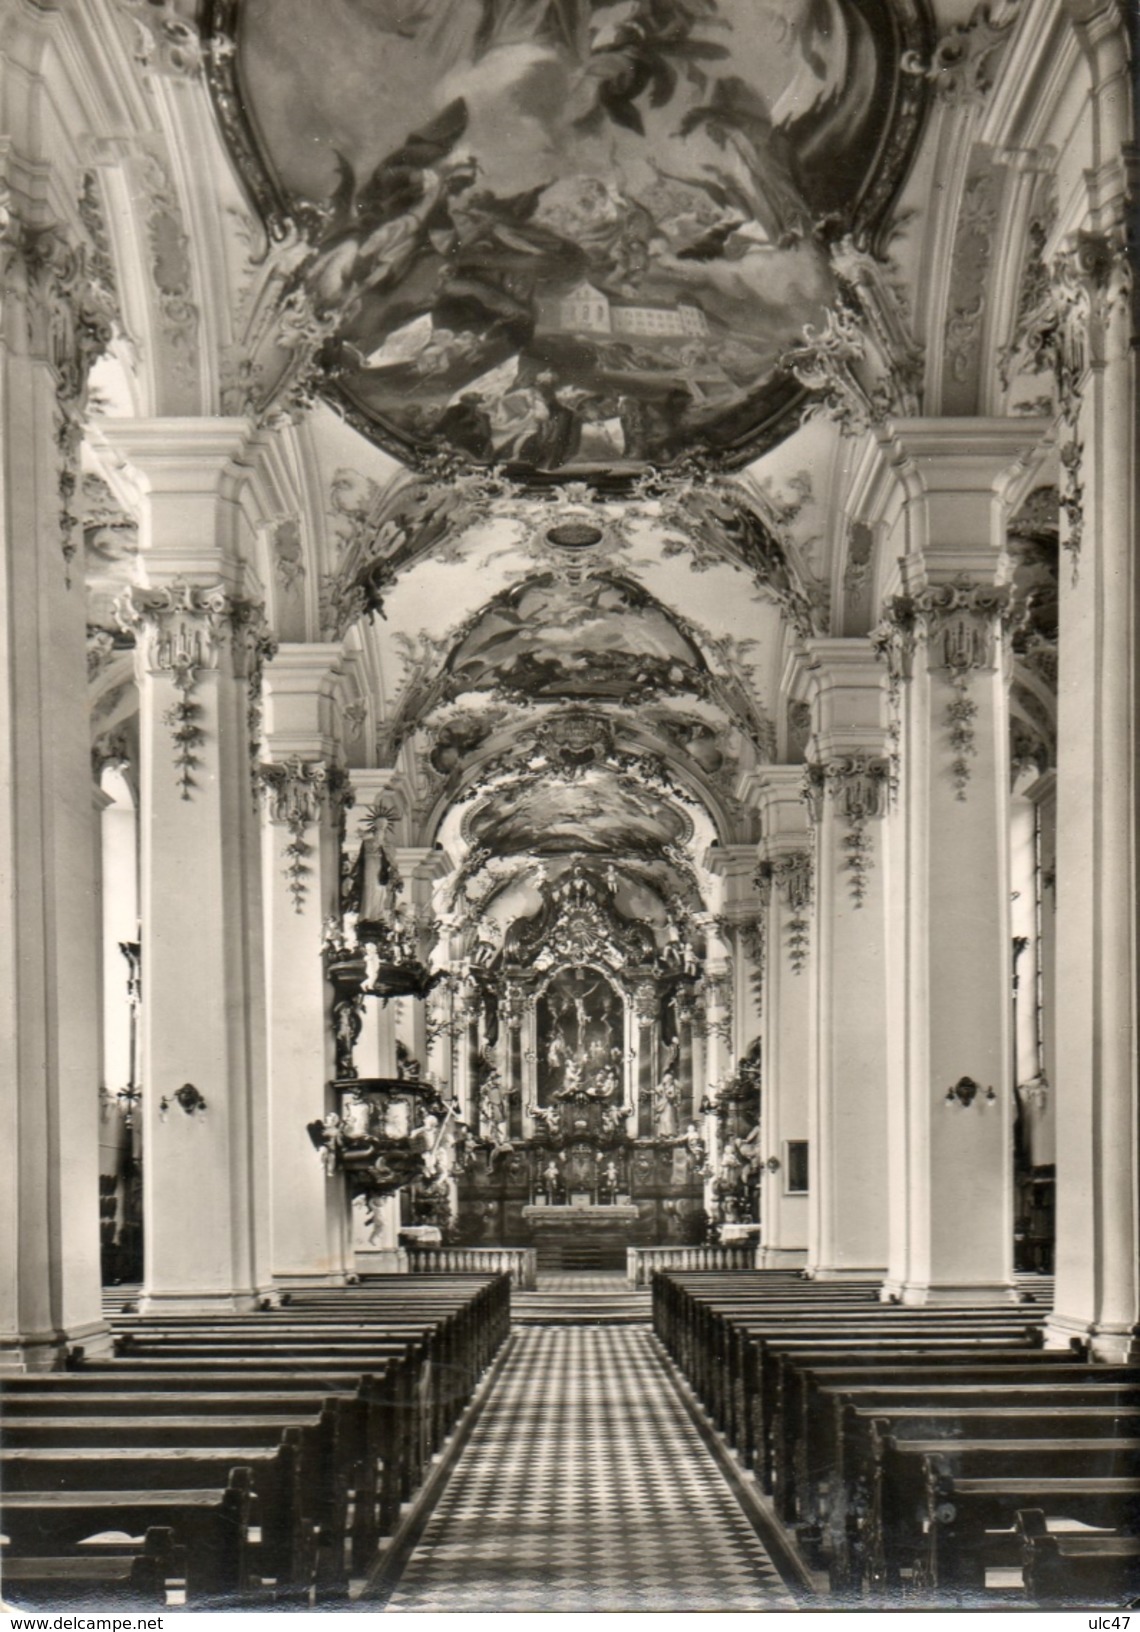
{"points": [[370, 1428], [286, 1553], [810, 1438], [132, 1580], [934, 1508], [1078, 1569], [755, 1404], [212, 1525], [340, 1402]]}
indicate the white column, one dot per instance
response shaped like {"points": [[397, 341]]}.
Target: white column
{"points": [[786, 909], [376, 1049], [848, 780], [420, 868], [200, 645], [1098, 1146], [302, 785], [49, 930], [951, 1109], [1043, 795]]}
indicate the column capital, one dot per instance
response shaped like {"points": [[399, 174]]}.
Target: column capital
{"points": [[183, 631], [183, 627], [790, 872], [958, 622], [298, 794], [297, 791]]}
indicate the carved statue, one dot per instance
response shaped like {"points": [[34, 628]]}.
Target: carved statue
{"points": [[493, 1099], [572, 1081], [749, 1149], [500, 1143], [551, 1179], [328, 1142], [666, 1102], [614, 1118], [606, 1084], [696, 1147], [346, 1029], [545, 1120]]}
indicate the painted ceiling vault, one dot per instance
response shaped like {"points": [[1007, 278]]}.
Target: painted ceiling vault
{"points": [[565, 329], [569, 236]]}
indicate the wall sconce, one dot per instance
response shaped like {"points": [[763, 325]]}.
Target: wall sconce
{"points": [[773, 1164], [966, 1090], [188, 1097]]}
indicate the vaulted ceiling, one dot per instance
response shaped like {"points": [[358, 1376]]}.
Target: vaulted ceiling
{"points": [[567, 236], [565, 332]]}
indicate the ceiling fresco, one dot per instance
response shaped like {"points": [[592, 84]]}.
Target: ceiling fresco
{"points": [[568, 236], [600, 638], [599, 811]]}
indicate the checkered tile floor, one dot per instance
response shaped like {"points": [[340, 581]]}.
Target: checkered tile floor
{"points": [[585, 1486]]}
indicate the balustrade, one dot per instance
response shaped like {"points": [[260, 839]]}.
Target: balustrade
{"points": [[641, 1262], [517, 1262]]}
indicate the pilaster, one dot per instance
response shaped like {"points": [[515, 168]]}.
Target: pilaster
{"points": [[199, 651], [1098, 791], [785, 888], [848, 785], [303, 796], [52, 327], [943, 639]]}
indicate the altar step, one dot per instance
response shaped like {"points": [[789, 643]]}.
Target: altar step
{"points": [[582, 1306], [575, 1255]]}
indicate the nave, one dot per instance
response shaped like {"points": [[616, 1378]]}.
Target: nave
{"points": [[585, 1486], [763, 1444], [568, 615]]}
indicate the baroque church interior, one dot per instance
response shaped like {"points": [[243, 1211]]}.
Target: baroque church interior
{"points": [[570, 791]]}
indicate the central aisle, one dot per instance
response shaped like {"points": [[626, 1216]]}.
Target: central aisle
{"points": [[585, 1486]]}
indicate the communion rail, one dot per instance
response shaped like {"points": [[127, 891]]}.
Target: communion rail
{"points": [[642, 1261], [517, 1262]]}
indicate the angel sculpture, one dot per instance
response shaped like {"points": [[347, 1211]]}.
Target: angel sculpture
{"points": [[327, 1141], [614, 1118], [545, 1120]]}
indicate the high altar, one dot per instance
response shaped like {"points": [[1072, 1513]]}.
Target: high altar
{"points": [[578, 1119], [581, 1034]]}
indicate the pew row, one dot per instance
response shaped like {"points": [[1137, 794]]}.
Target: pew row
{"points": [[898, 1445], [278, 1447]]}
